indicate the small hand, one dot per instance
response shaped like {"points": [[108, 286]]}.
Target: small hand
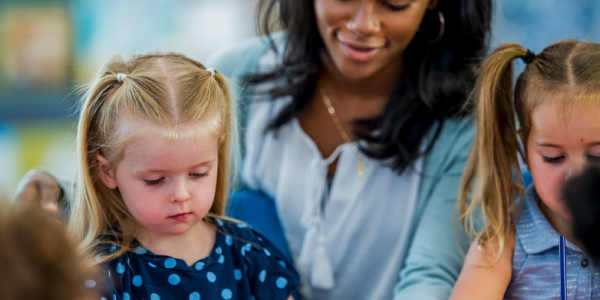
{"points": [[39, 188]]}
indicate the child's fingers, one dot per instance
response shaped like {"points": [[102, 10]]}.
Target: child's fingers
{"points": [[38, 188]]}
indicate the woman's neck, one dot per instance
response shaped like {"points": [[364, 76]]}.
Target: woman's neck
{"points": [[191, 246], [380, 84], [561, 225]]}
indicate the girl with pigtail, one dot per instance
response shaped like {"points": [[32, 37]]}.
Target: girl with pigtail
{"points": [[154, 148], [557, 103]]}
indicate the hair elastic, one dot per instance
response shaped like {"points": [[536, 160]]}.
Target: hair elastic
{"points": [[121, 77], [212, 71], [528, 57]]}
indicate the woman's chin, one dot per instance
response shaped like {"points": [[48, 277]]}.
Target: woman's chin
{"points": [[356, 72]]}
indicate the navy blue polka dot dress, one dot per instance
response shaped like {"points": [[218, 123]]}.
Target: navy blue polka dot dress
{"points": [[242, 265]]}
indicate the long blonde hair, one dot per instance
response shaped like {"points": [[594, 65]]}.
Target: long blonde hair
{"points": [[173, 94], [567, 72]]}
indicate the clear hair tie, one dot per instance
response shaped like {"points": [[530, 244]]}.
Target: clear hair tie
{"points": [[212, 71], [121, 77]]}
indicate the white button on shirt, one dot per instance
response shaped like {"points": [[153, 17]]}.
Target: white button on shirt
{"points": [[365, 222]]}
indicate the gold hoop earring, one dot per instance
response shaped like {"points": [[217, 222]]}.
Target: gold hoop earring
{"points": [[442, 29]]}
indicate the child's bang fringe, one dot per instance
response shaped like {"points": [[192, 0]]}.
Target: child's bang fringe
{"points": [[565, 98]]}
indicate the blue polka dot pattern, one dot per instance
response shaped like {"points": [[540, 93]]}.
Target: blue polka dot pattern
{"points": [[114, 297], [90, 283], [120, 268], [262, 271], [137, 281], [259, 238], [281, 282], [97, 257], [113, 248], [103, 298], [199, 266], [242, 225], [226, 294], [170, 263], [211, 276], [219, 222], [174, 279], [108, 273], [262, 276]]}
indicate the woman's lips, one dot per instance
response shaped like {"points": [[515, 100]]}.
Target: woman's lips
{"points": [[359, 53], [180, 217]]}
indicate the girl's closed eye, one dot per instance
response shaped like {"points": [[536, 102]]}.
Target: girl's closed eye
{"points": [[198, 174], [554, 160], [153, 182], [593, 158]]}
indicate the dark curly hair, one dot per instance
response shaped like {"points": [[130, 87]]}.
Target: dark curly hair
{"points": [[436, 83]]}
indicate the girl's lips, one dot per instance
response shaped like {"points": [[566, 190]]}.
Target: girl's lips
{"points": [[180, 217], [359, 53]]}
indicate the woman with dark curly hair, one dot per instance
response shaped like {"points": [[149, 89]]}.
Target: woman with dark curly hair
{"points": [[353, 123]]}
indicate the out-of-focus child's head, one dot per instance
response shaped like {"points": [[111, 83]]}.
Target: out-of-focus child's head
{"points": [[37, 259], [582, 195]]}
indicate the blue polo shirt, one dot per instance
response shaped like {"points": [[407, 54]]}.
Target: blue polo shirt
{"points": [[242, 265], [536, 264]]}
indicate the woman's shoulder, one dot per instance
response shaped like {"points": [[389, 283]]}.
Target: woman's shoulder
{"points": [[241, 59]]}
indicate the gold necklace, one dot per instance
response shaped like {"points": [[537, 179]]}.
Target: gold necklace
{"points": [[360, 167]]}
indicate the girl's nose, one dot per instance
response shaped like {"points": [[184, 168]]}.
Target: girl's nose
{"points": [[365, 20], [575, 168], [180, 192]]}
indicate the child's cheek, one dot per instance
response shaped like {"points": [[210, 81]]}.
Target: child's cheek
{"points": [[548, 181]]}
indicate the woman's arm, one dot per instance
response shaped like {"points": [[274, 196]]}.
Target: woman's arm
{"points": [[481, 277], [439, 243]]}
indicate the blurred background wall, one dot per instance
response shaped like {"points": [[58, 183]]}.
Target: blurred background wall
{"points": [[47, 47]]}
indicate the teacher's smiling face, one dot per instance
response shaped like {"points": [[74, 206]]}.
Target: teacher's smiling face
{"points": [[364, 37]]}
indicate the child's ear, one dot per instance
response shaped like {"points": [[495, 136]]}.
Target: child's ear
{"points": [[524, 143], [106, 173]]}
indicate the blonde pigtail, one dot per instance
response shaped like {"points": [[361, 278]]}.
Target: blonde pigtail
{"points": [[492, 174]]}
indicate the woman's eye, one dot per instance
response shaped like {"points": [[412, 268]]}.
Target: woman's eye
{"points": [[154, 182], [199, 175], [396, 7], [554, 160]]}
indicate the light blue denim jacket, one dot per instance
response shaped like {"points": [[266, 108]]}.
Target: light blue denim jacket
{"points": [[434, 260]]}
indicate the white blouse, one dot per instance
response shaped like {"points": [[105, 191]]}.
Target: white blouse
{"points": [[349, 241]]}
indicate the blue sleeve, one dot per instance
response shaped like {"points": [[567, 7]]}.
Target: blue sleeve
{"points": [[270, 273], [439, 244]]}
